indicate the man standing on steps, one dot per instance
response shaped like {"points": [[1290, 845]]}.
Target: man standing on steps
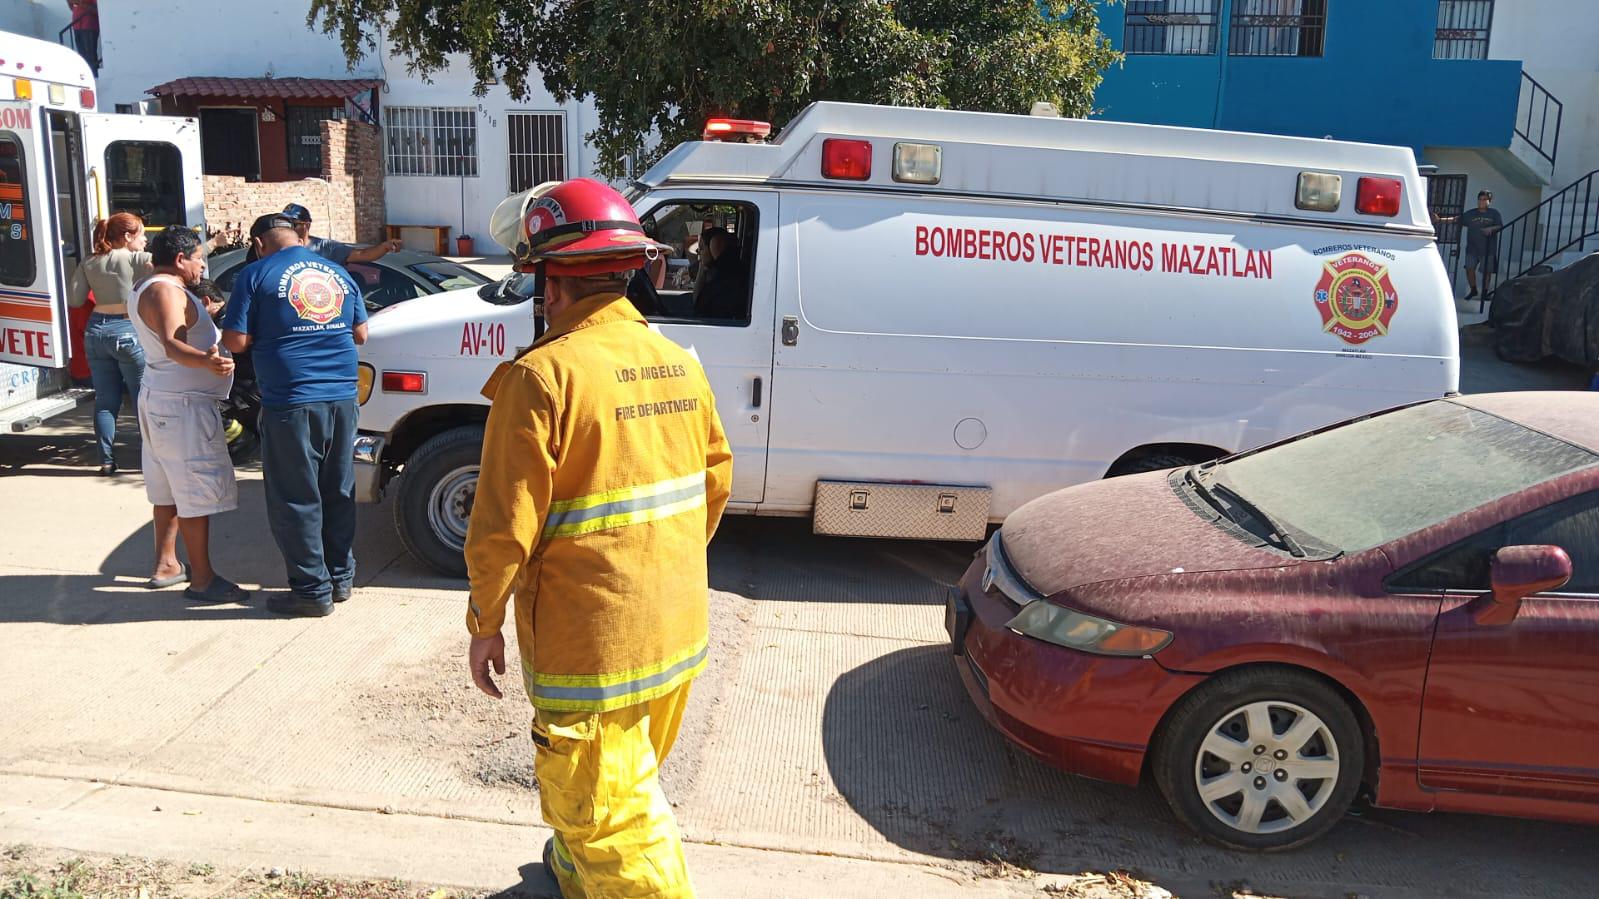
{"points": [[1482, 249], [605, 472], [301, 317]]}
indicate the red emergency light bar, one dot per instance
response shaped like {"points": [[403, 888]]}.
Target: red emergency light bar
{"points": [[405, 382], [722, 129]]}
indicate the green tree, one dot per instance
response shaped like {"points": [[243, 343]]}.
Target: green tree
{"points": [[662, 67]]}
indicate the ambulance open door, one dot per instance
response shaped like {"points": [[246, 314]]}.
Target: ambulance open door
{"points": [[146, 165], [33, 312]]}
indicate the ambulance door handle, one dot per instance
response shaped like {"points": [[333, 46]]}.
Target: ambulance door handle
{"points": [[790, 330], [756, 400]]}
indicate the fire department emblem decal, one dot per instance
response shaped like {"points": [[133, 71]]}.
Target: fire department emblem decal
{"points": [[317, 295], [544, 214], [1356, 298]]}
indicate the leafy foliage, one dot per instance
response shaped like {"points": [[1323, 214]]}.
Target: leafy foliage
{"points": [[661, 67]]}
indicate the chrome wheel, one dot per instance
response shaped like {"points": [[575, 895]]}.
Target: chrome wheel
{"points": [[449, 505], [1267, 767]]}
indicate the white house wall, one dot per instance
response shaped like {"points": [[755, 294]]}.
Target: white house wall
{"points": [[1558, 42], [422, 200], [150, 42]]}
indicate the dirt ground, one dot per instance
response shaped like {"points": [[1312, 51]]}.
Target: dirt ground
{"points": [[432, 709], [28, 872]]}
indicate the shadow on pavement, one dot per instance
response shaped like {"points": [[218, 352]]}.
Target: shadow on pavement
{"points": [[780, 559], [910, 754], [535, 885]]}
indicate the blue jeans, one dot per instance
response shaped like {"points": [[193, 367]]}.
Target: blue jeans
{"points": [[309, 467], [116, 363]]}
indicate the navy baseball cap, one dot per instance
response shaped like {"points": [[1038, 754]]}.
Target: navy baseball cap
{"points": [[269, 221], [297, 213]]}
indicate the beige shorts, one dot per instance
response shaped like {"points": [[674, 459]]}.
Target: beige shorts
{"points": [[185, 458]]}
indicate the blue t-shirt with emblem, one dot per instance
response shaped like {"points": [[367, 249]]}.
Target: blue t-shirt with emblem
{"points": [[300, 311]]}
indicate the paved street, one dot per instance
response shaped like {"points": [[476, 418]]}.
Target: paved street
{"points": [[830, 750]]}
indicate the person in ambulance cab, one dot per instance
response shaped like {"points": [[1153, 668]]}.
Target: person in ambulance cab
{"points": [[604, 474]]}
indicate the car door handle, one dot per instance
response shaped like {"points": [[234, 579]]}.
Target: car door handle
{"points": [[756, 401], [790, 330]]}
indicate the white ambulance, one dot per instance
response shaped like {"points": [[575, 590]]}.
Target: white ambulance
{"points": [[921, 319], [63, 165]]}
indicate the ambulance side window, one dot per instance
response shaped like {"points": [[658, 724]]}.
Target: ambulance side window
{"points": [[707, 276], [146, 178], [16, 226]]}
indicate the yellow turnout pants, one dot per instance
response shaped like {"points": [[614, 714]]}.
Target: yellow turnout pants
{"points": [[615, 835]]}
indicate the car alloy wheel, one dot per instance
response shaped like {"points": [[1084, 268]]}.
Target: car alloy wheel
{"points": [[1267, 767], [1266, 757]]}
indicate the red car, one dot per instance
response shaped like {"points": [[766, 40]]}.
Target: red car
{"points": [[1406, 603]]}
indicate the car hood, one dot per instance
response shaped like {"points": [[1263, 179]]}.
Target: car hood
{"points": [[433, 309], [1119, 528]]}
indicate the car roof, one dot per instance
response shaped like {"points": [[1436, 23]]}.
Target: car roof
{"points": [[397, 259], [1570, 415]]}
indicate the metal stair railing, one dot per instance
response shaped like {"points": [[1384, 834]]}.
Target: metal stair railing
{"points": [[1569, 218], [1533, 125]]}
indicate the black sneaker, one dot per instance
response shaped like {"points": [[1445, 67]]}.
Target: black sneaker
{"points": [[299, 606], [341, 592], [1472, 295]]}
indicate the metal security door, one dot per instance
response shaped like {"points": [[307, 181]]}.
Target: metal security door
{"points": [[1446, 199], [537, 148]]}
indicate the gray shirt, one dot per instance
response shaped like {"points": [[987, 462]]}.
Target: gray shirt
{"points": [[1476, 222], [111, 276], [334, 251]]}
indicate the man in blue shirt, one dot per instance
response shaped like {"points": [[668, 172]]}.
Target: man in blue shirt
{"points": [[301, 317]]}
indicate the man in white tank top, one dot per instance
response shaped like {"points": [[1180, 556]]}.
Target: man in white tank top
{"points": [[187, 473]]}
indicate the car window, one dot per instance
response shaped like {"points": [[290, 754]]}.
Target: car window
{"points": [[224, 281], [1572, 525], [707, 275], [1375, 480], [448, 275], [382, 287]]}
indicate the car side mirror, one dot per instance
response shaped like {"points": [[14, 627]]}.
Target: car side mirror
{"points": [[1519, 572]]}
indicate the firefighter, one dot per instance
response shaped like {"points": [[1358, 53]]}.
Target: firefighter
{"points": [[605, 472]]}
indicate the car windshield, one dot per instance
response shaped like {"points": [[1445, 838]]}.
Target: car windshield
{"points": [[1372, 481], [448, 275]]}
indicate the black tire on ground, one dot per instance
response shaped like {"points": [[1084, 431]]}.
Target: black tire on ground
{"points": [[448, 458], [1149, 462], [1178, 761]]}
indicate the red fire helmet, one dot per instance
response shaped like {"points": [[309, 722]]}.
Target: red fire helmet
{"points": [[582, 227]]}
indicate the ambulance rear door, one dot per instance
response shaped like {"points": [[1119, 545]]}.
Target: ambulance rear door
{"points": [[146, 165], [33, 311]]}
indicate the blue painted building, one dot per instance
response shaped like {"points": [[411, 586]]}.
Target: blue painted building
{"points": [[1475, 91]]}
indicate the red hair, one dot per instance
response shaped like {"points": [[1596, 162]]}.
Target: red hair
{"points": [[113, 232]]}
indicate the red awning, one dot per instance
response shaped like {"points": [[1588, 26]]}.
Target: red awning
{"points": [[264, 88]]}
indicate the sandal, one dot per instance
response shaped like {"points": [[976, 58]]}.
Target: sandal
{"points": [[218, 591], [171, 580]]}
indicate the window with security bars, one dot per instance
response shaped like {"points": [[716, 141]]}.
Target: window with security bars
{"points": [[1277, 28], [1463, 29], [1174, 27], [431, 140], [303, 126], [537, 148]]}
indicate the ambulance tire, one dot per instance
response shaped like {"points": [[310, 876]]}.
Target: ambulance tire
{"points": [[1150, 462], [434, 498]]}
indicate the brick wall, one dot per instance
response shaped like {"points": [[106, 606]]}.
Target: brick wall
{"points": [[348, 207]]}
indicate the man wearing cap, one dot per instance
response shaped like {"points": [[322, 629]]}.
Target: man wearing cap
{"points": [[1482, 250], [301, 317], [334, 250], [604, 474]]}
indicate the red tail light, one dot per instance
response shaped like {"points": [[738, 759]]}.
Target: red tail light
{"points": [[847, 160], [405, 382], [86, 98], [1378, 196]]}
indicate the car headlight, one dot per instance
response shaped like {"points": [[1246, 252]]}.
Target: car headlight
{"points": [[1064, 627], [364, 376]]}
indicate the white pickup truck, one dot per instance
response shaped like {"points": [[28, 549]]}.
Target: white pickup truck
{"points": [[943, 315]]}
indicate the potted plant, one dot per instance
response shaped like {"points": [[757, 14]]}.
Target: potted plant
{"points": [[463, 245]]}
